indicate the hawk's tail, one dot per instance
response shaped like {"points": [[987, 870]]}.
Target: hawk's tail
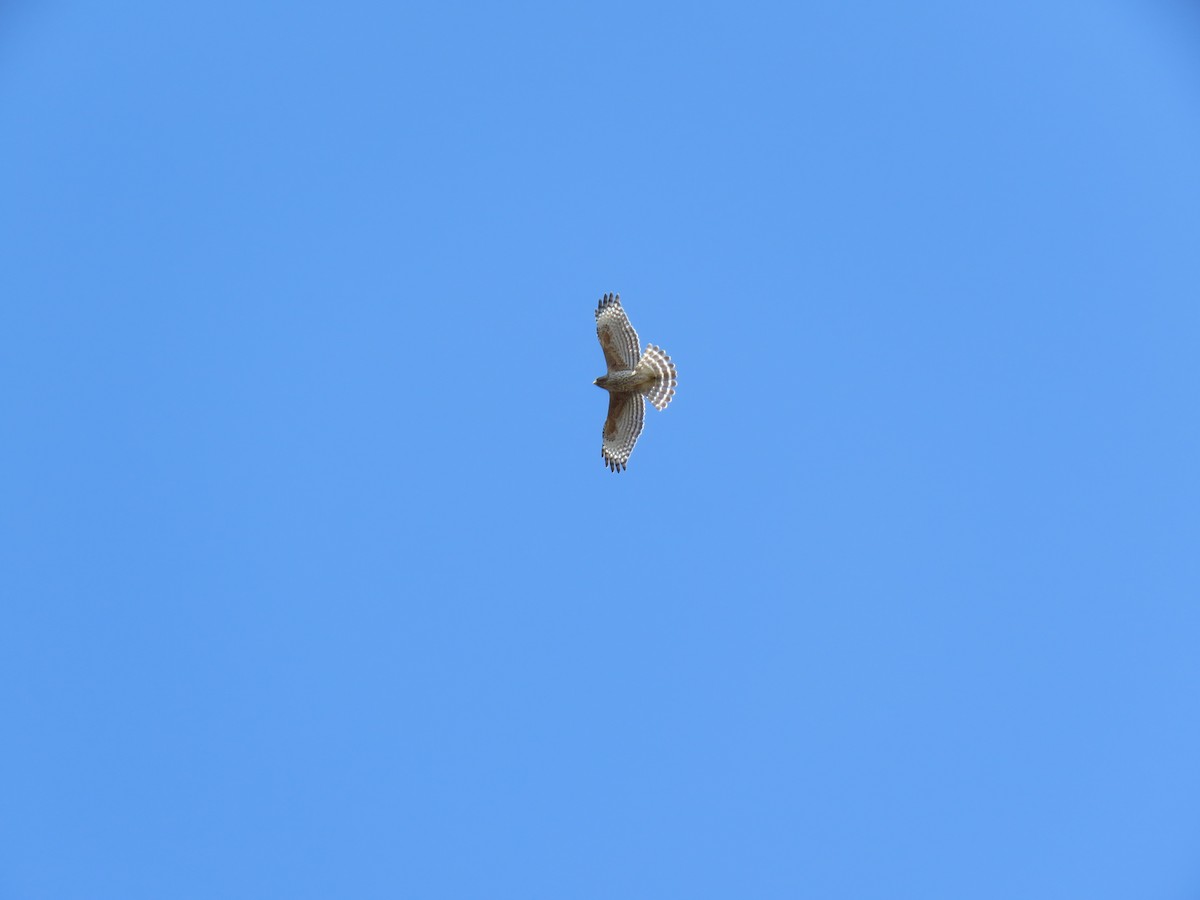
{"points": [[655, 362]]}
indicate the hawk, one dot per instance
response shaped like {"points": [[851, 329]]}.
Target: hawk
{"points": [[630, 378]]}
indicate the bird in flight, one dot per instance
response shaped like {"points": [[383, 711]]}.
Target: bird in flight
{"points": [[630, 378]]}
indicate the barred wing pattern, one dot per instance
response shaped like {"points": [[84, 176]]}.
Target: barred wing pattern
{"points": [[631, 380], [618, 340], [626, 416]]}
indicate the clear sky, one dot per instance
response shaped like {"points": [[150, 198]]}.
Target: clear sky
{"points": [[315, 584]]}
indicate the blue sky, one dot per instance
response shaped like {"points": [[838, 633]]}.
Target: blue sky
{"points": [[315, 584]]}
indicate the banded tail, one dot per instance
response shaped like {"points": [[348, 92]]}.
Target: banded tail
{"points": [[656, 363]]}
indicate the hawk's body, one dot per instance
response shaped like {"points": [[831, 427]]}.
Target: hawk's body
{"points": [[630, 378]]}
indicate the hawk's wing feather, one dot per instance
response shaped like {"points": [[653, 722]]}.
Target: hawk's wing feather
{"points": [[618, 340], [626, 416]]}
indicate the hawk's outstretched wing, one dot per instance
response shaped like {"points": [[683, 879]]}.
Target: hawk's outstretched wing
{"points": [[626, 415], [618, 340]]}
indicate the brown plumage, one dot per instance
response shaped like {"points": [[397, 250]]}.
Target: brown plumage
{"points": [[629, 379]]}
